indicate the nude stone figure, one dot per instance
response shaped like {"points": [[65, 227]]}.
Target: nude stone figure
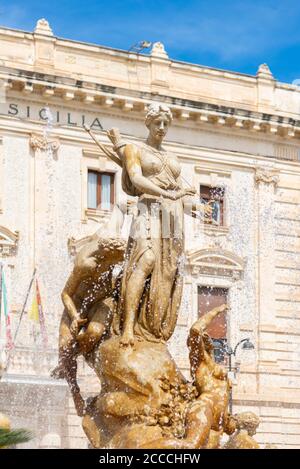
{"points": [[87, 298], [246, 425]]}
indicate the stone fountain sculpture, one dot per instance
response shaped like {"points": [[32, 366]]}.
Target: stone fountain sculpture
{"points": [[121, 322]]}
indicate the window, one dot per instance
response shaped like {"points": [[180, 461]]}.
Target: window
{"points": [[215, 195], [209, 298], [101, 190]]}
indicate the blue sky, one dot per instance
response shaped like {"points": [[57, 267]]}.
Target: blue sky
{"points": [[229, 34]]}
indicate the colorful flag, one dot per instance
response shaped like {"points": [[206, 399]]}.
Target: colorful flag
{"points": [[36, 313], [33, 313], [41, 315], [5, 310]]}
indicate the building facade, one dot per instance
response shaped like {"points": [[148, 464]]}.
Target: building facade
{"points": [[238, 139]]}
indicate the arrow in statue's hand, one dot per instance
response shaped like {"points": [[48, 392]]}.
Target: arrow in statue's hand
{"points": [[104, 148]]}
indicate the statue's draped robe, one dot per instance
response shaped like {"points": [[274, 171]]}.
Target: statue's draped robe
{"points": [[158, 226]]}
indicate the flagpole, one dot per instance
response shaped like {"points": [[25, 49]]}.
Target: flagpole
{"points": [[1, 270], [21, 315], [1, 273]]}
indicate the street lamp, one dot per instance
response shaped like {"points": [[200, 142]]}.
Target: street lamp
{"points": [[246, 345], [139, 46]]}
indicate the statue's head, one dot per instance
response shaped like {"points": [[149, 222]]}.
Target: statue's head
{"points": [[247, 421], [112, 249], [158, 120]]}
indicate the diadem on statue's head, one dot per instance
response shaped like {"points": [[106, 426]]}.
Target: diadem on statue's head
{"points": [[157, 109]]}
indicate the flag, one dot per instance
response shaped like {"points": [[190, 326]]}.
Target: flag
{"points": [[41, 315], [33, 313], [36, 313], [4, 310]]}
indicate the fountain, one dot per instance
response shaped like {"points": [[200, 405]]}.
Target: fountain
{"points": [[120, 320]]}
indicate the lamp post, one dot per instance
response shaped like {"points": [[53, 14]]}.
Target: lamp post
{"points": [[139, 46], [246, 345]]}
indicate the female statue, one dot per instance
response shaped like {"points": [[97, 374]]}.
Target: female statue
{"points": [[152, 282]]}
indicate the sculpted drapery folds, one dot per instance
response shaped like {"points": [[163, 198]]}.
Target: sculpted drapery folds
{"points": [[121, 322], [152, 282]]}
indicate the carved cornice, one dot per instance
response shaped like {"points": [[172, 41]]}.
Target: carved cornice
{"points": [[8, 241], [210, 169], [266, 176], [40, 142], [136, 101], [215, 262]]}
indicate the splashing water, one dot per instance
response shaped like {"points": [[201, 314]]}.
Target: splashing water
{"points": [[49, 121]]}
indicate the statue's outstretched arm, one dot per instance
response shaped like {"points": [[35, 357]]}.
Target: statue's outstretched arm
{"points": [[199, 210], [67, 299], [193, 207], [68, 292], [206, 319], [84, 264]]}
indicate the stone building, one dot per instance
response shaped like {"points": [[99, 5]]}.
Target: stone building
{"points": [[237, 137]]}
